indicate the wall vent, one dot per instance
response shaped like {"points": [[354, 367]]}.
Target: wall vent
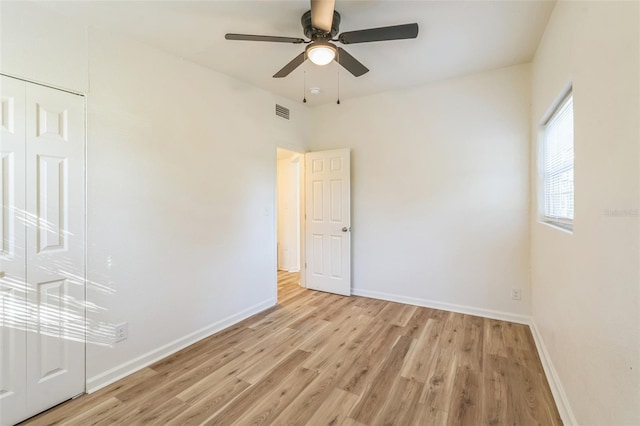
{"points": [[282, 111]]}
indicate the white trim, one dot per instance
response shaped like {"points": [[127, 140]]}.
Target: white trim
{"points": [[462, 309], [40, 83], [559, 395], [567, 229], [101, 380]]}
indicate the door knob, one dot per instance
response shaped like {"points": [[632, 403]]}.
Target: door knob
{"points": [[345, 229]]}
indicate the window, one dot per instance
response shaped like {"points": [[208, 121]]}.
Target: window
{"points": [[557, 158]]}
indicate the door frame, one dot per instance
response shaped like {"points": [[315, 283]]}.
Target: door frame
{"points": [[301, 201]]}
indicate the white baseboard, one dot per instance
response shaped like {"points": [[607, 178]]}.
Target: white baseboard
{"points": [[559, 395], [114, 374], [469, 310]]}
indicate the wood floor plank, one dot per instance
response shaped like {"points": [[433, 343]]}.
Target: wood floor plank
{"points": [[422, 354], [417, 322], [426, 415], [149, 412], [372, 306], [161, 415], [439, 383], [281, 318], [378, 390], [391, 312], [471, 351], [466, 397], [402, 408], [238, 406], [213, 343], [274, 355], [494, 338], [96, 413], [526, 394], [162, 387], [205, 402], [404, 315], [266, 409], [303, 407], [340, 338], [366, 366], [494, 402], [338, 308], [309, 323], [318, 358], [350, 422], [334, 409], [237, 365], [143, 405]]}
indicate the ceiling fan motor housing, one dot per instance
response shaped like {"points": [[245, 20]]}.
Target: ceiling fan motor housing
{"points": [[314, 33]]}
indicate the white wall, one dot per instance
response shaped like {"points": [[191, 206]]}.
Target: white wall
{"points": [[181, 193], [439, 190], [586, 284], [41, 47]]}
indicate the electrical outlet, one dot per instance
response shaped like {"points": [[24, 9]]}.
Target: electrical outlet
{"points": [[121, 332], [516, 294]]}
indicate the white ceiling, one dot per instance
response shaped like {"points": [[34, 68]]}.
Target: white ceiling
{"points": [[455, 38]]}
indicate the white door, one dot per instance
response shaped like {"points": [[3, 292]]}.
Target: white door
{"points": [[52, 239], [328, 221]]}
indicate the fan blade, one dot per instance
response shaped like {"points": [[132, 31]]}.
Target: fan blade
{"points": [[396, 32], [295, 63], [322, 14], [251, 37], [350, 63]]}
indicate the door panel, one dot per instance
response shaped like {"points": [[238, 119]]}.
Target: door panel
{"points": [[52, 203], [13, 302], [328, 210], [55, 246]]}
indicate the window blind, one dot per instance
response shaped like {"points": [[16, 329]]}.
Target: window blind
{"points": [[558, 164]]}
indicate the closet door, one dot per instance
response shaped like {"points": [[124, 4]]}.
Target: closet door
{"points": [[13, 299], [55, 246], [42, 291]]}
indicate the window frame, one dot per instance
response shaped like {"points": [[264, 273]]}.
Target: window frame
{"points": [[563, 223]]}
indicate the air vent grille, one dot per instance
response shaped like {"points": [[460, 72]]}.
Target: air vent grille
{"points": [[282, 111]]}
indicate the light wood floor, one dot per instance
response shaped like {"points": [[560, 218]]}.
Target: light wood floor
{"points": [[323, 359]]}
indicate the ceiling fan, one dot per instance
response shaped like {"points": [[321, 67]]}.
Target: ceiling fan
{"points": [[321, 24]]}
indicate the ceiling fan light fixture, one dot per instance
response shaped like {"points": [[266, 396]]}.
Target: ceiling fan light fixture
{"points": [[321, 53]]}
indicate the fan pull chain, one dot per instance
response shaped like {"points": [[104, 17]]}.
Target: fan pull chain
{"points": [[338, 102], [304, 88]]}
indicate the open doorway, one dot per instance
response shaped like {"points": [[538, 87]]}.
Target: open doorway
{"points": [[289, 172]]}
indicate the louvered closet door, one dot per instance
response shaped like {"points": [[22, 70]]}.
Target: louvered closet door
{"points": [[42, 303]]}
